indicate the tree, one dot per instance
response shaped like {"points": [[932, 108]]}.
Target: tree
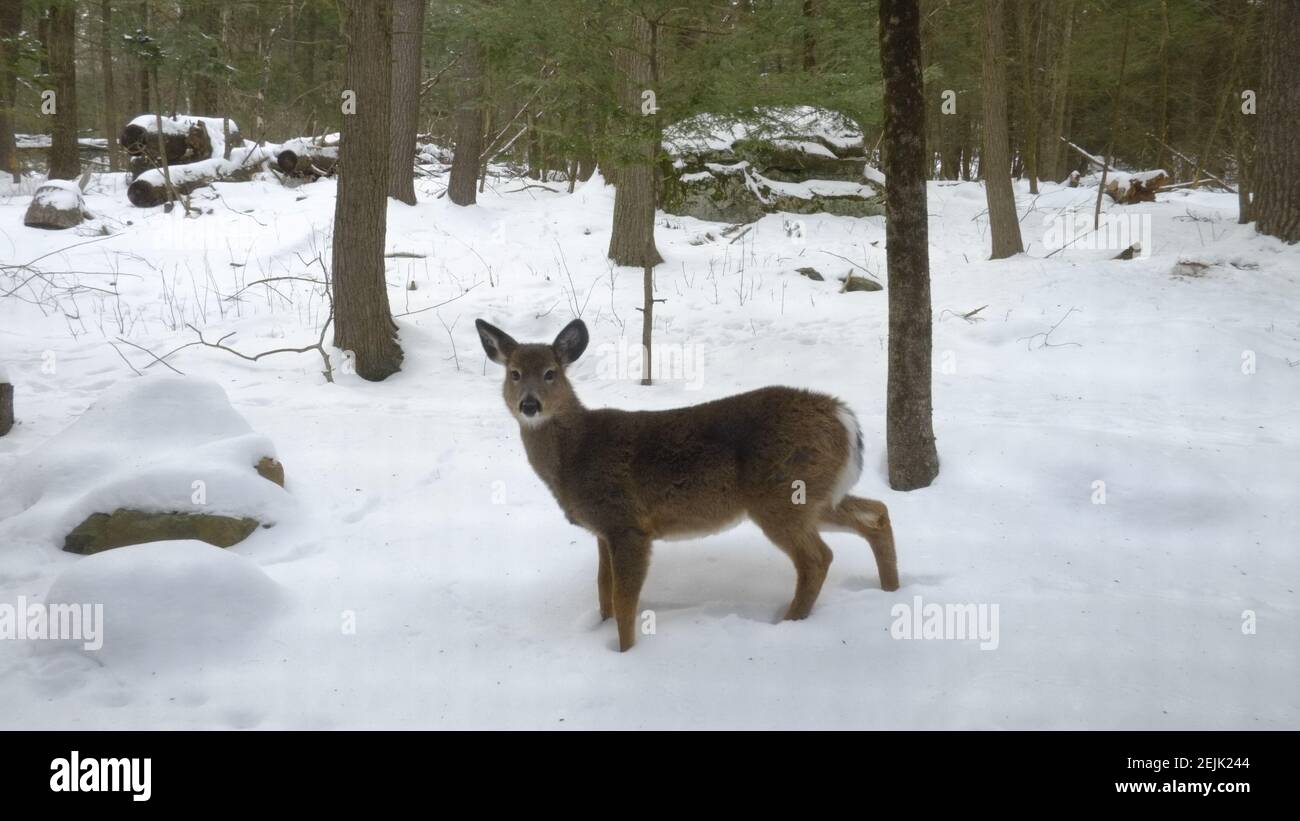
{"points": [[363, 322], [632, 240], [11, 23], [1276, 166], [995, 160], [408, 39], [65, 157], [106, 69], [909, 429], [469, 128]]}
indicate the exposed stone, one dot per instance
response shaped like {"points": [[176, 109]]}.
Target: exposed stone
{"points": [[856, 283], [811, 273], [6, 407], [57, 204], [271, 469], [104, 531]]}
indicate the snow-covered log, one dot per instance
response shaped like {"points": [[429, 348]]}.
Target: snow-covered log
{"points": [[150, 188], [186, 139], [308, 157]]}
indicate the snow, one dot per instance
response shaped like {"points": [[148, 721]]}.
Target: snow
{"points": [[711, 132], [65, 195], [167, 605], [472, 602], [217, 166], [182, 123], [143, 445]]}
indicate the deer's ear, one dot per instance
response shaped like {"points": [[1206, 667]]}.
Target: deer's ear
{"points": [[496, 343], [571, 342]]}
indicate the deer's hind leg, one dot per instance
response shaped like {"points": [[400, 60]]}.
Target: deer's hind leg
{"points": [[870, 520], [604, 580], [798, 538]]}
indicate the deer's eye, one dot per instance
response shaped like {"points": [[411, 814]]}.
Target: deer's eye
{"points": [[515, 375], [549, 376]]}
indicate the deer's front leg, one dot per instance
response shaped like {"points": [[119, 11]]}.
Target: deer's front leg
{"points": [[629, 554], [605, 580]]}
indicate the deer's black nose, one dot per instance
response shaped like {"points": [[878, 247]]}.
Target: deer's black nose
{"points": [[530, 406]]}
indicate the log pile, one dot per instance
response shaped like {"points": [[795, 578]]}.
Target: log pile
{"points": [[185, 140]]}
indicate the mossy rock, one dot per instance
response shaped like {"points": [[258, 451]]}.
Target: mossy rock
{"points": [[855, 283], [124, 526]]}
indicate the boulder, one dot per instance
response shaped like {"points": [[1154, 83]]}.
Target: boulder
{"points": [[57, 204], [795, 160], [122, 527], [160, 458]]}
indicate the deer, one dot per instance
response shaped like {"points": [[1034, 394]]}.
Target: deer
{"points": [[783, 458]]}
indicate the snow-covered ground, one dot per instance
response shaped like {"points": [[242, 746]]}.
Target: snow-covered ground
{"points": [[1123, 488]]}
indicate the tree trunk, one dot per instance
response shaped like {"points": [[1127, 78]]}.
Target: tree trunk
{"points": [[995, 160], [1276, 169], [1028, 55], [469, 130], [1059, 166], [205, 86], [363, 323], [913, 460], [632, 240], [408, 39], [106, 69], [809, 38], [65, 159], [143, 82], [11, 22]]}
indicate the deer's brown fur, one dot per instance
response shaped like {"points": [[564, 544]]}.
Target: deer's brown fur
{"points": [[782, 457]]}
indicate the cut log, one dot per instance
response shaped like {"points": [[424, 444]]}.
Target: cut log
{"points": [[57, 204], [150, 188], [1127, 188], [185, 140], [308, 158]]}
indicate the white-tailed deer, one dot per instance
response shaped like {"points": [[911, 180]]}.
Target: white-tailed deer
{"points": [[782, 457]]}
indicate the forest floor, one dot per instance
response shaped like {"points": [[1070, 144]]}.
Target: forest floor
{"points": [[1118, 441]]}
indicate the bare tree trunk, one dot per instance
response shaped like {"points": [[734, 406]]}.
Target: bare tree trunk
{"points": [[909, 430], [1028, 55], [995, 160], [632, 240], [363, 322], [809, 38], [469, 130], [1162, 127], [11, 22], [143, 81], [1277, 154], [1059, 165], [205, 86], [408, 40], [65, 159], [1114, 124], [110, 97]]}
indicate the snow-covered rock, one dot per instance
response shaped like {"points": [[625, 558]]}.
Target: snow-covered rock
{"points": [[167, 604], [799, 160], [163, 444], [56, 204]]}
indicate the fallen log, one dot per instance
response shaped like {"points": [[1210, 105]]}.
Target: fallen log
{"points": [[150, 188], [1141, 186], [185, 140], [308, 158]]}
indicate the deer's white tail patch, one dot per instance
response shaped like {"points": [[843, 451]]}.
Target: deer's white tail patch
{"points": [[852, 470]]}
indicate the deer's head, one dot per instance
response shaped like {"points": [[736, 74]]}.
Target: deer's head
{"points": [[536, 388]]}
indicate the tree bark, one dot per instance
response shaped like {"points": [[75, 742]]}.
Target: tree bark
{"points": [[909, 429], [363, 322], [106, 69], [11, 22], [65, 159], [1276, 169], [1028, 55], [461, 188], [632, 240], [408, 41], [1059, 166], [809, 38], [995, 160], [205, 86]]}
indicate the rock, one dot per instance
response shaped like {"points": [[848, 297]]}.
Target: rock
{"points": [[57, 204], [856, 283], [811, 273], [105, 531], [270, 468], [797, 160]]}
